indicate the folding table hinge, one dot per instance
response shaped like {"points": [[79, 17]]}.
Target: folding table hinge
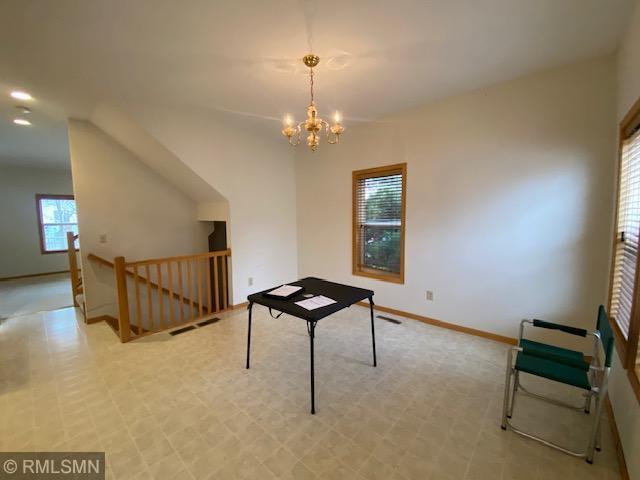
{"points": [[310, 325]]}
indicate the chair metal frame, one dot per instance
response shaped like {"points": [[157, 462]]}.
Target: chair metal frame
{"points": [[598, 379]]}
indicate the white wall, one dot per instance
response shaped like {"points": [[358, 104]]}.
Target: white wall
{"points": [[142, 214], [253, 168], [20, 241], [509, 201], [626, 406]]}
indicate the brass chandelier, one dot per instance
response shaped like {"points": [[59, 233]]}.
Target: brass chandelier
{"points": [[313, 124]]}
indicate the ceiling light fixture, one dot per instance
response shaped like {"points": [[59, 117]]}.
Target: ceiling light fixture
{"points": [[21, 121], [20, 95], [313, 124]]}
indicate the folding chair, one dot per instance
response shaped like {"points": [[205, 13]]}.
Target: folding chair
{"points": [[562, 365]]}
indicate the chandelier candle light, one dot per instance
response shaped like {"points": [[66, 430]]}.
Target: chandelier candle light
{"points": [[313, 124]]}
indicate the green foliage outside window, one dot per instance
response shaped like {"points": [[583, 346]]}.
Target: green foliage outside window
{"points": [[381, 239]]}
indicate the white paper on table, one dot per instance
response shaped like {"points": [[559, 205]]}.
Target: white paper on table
{"points": [[285, 290], [315, 302]]}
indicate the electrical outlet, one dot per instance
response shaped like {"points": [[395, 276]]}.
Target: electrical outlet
{"points": [[430, 295], [250, 281], [102, 238]]}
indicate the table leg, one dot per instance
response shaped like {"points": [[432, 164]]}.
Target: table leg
{"points": [[250, 308], [311, 331], [373, 332]]}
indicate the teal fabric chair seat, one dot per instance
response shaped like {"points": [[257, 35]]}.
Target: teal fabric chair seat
{"points": [[565, 366], [559, 372], [572, 358]]}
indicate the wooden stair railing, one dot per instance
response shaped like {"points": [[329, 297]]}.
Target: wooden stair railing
{"points": [[186, 289], [154, 286], [74, 271]]}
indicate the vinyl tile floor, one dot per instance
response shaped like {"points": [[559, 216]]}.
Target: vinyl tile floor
{"points": [[185, 407]]}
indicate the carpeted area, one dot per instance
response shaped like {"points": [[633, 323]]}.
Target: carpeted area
{"points": [[34, 294]]}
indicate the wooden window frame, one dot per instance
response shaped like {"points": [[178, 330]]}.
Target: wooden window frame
{"points": [[378, 172], [627, 347], [45, 196]]}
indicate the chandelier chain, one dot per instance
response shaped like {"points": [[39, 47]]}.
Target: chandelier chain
{"points": [[311, 83]]}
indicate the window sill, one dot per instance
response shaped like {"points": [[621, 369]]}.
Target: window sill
{"points": [[621, 348], [632, 374], [620, 343], [47, 252], [380, 276]]}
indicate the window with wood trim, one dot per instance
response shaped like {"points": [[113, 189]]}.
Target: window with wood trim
{"points": [[624, 289], [379, 222], [56, 216]]}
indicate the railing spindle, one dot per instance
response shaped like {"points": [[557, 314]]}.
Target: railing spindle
{"points": [[224, 281], [207, 280], [160, 294], [199, 280], [170, 275], [149, 300], [136, 286], [215, 282], [190, 288], [181, 292]]}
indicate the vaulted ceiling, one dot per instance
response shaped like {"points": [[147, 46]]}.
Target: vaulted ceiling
{"points": [[242, 56]]}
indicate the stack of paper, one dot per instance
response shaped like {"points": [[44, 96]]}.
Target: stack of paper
{"points": [[285, 290], [315, 302]]}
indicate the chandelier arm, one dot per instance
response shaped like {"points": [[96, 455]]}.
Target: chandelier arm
{"points": [[297, 141], [327, 128]]}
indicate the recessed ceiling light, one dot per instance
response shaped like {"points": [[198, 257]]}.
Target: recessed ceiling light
{"points": [[19, 95], [21, 121]]}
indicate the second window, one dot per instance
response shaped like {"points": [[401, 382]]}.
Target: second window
{"points": [[379, 222]]}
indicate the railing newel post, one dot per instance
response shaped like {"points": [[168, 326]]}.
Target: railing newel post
{"points": [[73, 267], [123, 299]]}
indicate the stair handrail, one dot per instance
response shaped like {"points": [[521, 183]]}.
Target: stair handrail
{"points": [[213, 261]]}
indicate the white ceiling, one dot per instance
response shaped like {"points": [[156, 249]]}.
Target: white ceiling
{"points": [[242, 55], [43, 144]]}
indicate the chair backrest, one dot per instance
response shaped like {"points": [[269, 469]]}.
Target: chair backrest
{"points": [[606, 335]]}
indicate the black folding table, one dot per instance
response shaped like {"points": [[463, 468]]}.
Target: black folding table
{"points": [[344, 295]]}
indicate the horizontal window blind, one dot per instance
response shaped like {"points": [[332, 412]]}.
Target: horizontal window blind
{"points": [[379, 217], [623, 288]]}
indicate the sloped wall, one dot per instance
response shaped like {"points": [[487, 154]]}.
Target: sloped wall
{"points": [[142, 214], [252, 166]]}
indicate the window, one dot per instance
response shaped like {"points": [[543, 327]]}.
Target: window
{"points": [[56, 217], [378, 222], [627, 236], [624, 288]]}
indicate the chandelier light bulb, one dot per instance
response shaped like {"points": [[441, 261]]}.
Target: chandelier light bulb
{"points": [[288, 121], [337, 117]]}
